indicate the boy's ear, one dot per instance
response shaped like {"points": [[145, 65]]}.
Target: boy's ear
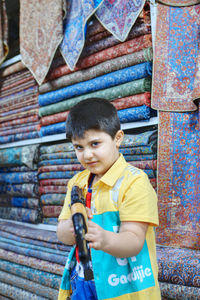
{"points": [[119, 137]]}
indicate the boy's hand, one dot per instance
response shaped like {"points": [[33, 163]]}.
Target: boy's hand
{"points": [[96, 236]]}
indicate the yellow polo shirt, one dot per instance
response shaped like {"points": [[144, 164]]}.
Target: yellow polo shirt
{"points": [[124, 193]]}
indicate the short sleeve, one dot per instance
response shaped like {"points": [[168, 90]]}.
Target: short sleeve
{"points": [[139, 201], [66, 211]]}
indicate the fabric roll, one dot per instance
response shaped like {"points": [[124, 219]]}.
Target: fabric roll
{"points": [[54, 181], [19, 177], [134, 45], [14, 68], [58, 175], [127, 13], [52, 199], [50, 221], [178, 266], [19, 115], [19, 137], [53, 162], [139, 150], [19, 202], [26, 155], [33, 118], [26, 93], [23, 109], [98, 70], [150, 173], [28, 285], [56, 118], [122, 90], [140, 157], [75, 28], [132, 101], [148, 164], [111, 79], [25, 189], [68, 154], [53, 168], [21, 214], [22, 129], [51, 211], [179, 179], [32, 262], [53, 129], [140, 139], [134, 114], [14, 292], [15, 79], [178, 92], [38, 45], [47, 244], [52, 189], [62, 147], [175, 291], [18, 103], [14, 169], [32, 250], [19, 88]]}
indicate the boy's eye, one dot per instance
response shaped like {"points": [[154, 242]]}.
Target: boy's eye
{"points": [[94, 144], [77, 147]]}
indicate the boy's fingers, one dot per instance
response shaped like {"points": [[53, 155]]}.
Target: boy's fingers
{"points": [[89, 213]]}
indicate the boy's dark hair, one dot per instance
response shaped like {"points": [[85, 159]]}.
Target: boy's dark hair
{"points": [[92, 113]]}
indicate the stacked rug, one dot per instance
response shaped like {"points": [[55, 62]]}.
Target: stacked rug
{"points": [[32, 262], [19, 199], [107, 68], [19, 118]]}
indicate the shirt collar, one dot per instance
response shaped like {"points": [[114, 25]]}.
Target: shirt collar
{"points": [[111, 176]]}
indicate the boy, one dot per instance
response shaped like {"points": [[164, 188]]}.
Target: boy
{"points": [[122, 216]]}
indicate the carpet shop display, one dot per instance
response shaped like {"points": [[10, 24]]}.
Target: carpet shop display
{"points": [[19, 198], [19, 108], [32, 262]]}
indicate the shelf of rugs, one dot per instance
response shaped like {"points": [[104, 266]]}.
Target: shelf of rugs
{"points": [[61, 136]]}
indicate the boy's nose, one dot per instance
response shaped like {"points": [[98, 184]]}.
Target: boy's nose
{"points": [[87, 154]]}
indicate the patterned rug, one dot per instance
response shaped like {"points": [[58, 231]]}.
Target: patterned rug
{"points": [[176, 76], [40, 34], [179, 179]]}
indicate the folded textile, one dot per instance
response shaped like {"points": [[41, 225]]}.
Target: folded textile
{"points": [[37, 50], [15, 169], [51, 210], [19, 115], [134, 45], [26, 155], [18, 103], [132, 101], [53, 162], [19, 202], [21, 214], [52, 189], [19, 137], [176, 86], [62, 147], [33, 118], [58, 175], [111, 79], [28, 285], [53, 129], [19, 88], [62, 167], [56, 118], [44, 253], [75, 29], [18, 293], [54, 181], [50, 221], [145, 164], [14, 68], [98, 70], [33, 262], [179, 179], [25, 189], [140, 139], [19, 177], [52, 199], [56, 155], [134, 114], [126, 12], [149, 149], [176, 291], [19, 110], [119, 91], [19, 95], [21, 129], [140, 157], [178, 265]]}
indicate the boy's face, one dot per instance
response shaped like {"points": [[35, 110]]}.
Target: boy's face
{"points": [[97, 151]]}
